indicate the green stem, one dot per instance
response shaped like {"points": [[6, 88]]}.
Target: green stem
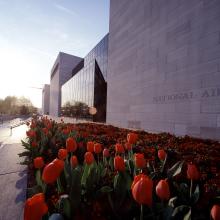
{"points": [[191, 186], [59, 186], [142, 212]]}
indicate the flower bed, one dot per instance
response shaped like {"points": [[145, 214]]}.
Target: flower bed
{"points": [[94, 171]]}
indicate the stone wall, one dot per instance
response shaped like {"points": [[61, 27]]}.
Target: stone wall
{"points": [[164, 66]]}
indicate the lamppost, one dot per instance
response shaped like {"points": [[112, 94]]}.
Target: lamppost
{"points": [[92, 111]]}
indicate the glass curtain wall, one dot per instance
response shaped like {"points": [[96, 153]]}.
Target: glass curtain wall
{"points": [[78, 94]]}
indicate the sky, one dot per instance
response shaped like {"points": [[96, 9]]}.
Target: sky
{"points": [[32, 32]]}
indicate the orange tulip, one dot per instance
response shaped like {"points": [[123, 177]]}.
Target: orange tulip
{"points": [[59, 164], [38, 162], [62, 154], [119, 149], [74, 161], [140, 161], [192, 172], [89, 158], [132, 138], [106, 153], [97, 148], [52, 171], [162, 154], [142, 190], [163, 190], [136, 179], [215, 212], [119, 164], [71, 144], [90, 146], [35, 207]]}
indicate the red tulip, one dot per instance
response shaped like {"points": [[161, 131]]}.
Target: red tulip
{"points": [[106, 153], [71, 144], [90, 146], [162, 154], [119, 164], [31, 133], [132, 138], [215, 212], [119, 149], [128, 146], [74, 161], [163, 190], [192, 172], [89, 158], [142, 189], [62, 154], [38, 162], [45, 130], [35, 207], [140, 161], [34, 144], [97, 148]]}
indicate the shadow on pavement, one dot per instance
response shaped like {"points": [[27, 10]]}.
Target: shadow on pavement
{"points": [[21, 184]]}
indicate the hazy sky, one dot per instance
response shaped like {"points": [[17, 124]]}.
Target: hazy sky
{"points": [[32, 32]]}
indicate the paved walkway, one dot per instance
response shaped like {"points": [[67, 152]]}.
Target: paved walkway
{"points": [[13, 176]]}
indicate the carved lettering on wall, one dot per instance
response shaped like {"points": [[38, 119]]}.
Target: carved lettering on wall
{"points": [[202, 94]]}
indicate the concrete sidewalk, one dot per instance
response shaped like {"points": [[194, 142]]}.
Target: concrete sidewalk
{"points": [[13, 176]]}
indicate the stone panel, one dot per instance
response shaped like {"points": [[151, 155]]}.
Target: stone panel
{"points": [[164, 65]]}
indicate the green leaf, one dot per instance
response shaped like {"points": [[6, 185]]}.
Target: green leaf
{"points": [[64, 206], [172, 201], [121, 186], [167, 213], [128, 180], [195, 196], [105, 189], [24, 154], [163, 165], [34, 190], [85, 174], [26, 145], [67, 171], [187, 215], [75, 189], [111, 163], [91, 178], [175, 169], [181, 211]]}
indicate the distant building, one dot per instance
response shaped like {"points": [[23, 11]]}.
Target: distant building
{"points": [[60, 73], [46, 99]]}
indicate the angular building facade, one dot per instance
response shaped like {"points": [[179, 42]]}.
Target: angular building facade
{"points": [[46, 99], [60, 73], [164, 66], [87, 86]]}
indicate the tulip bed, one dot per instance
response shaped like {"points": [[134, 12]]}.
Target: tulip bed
{"points": [[95, 171]]}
